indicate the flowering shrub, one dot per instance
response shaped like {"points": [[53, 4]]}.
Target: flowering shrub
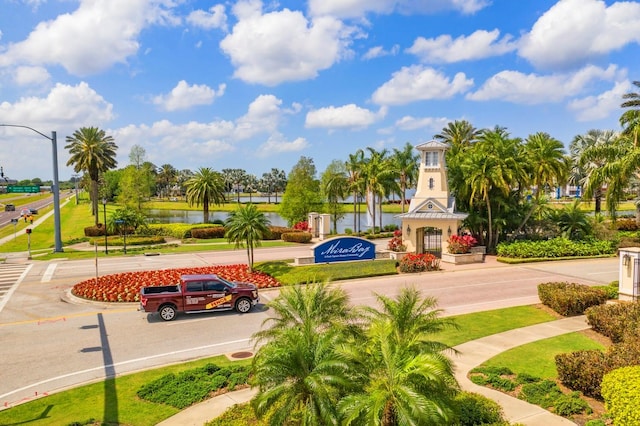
{"points": [[301, 226], [419, 262], [125, 286], [459, 244], [395, 243]]}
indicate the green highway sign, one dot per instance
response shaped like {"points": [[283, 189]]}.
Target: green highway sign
{"points": [[33, 189]]}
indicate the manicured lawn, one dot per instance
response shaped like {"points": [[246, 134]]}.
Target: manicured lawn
{"points": [[538, 358], [113, 401]]}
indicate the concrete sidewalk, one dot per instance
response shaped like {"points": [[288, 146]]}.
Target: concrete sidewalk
{"points": [[471, 355]]}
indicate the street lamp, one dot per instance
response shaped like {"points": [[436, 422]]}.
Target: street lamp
{"points": [[55, 188], [104, 209]]}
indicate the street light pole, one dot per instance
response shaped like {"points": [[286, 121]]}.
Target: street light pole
{"points": [[104, 209], [55, 188]]}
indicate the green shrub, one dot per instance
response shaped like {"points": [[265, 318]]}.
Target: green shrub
{"points": [[208, 233], [626, 225], [555, 248], [621, 393], [474, 409], [569, 299], [626, 352], [297, 237], [613, 320], [569, 404], [543, 393], [582, 370], [184, 389], [610, 290], [275, 232], [95, 231], [133, 240], [175, 230]]}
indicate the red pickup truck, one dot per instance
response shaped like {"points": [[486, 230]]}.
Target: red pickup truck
{"points": [[198, 293]]}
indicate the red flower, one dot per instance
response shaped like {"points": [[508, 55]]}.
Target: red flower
{"points": [[125, 286]]}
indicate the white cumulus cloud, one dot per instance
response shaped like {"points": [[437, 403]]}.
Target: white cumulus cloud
{"points": [[215, 17], [344, 117], [530, 89], [418, 83], [184, 96], [277, 144], [97, 35], [601, 106], [263, 50], [359, 8], [572, 32], [478, 45]]}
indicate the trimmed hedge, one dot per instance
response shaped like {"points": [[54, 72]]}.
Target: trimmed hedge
{"points": [[208, 233], [615, 319], [275, 232], [570, 299], [95, 230], [621, 392], [554, 248], [582, 370], [297, 237]]}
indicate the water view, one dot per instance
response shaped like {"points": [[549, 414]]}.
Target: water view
{"points": [[193, 216]]}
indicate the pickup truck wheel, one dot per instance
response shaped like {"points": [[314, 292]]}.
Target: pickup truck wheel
{"points": [[243, 305], [167, 312]]}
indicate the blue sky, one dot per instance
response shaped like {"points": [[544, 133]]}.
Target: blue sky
{"points": [[256, 84]]}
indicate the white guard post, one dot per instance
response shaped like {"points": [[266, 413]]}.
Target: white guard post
{"points": [[628, 281]]}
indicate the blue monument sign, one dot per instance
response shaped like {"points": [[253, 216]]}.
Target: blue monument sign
{"points": [[343, 249]]}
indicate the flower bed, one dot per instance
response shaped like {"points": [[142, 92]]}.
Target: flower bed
{"points": [[125, 286]]}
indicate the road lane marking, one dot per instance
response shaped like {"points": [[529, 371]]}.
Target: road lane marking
{"points": [[48, 274], [13, 288], [131, 361]]}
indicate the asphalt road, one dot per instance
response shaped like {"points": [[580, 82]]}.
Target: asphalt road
{"points": [[49, 342]]}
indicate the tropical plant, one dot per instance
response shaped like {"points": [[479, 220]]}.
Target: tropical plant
{"points": [[406, 165], [334, 185], [92, 151], [356, 184], [246, 227], [572, 221], [378, 177], [298, 376], [630, 119], [166, 178], [205, 187], [460, 244], [234, 181], [403, 376]]}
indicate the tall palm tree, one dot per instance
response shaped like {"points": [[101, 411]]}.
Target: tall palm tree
{"points": [[166, 176], [493, 167], [406, 165], [630, 119], [247, 226], [335, 186], [204, 187], [356, 183], [94, 152], [548, 166], [376, 172], [298, 376], [403, 375], [590, 153]]}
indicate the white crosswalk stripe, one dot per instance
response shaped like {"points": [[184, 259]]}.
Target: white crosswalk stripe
{"points": [[11, 275]]}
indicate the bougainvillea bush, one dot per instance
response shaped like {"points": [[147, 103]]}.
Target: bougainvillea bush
{"points": [[460, 244], [125, 286], [419, 262], [395, 243]]}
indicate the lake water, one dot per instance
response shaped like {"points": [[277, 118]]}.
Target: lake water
{"points": [[193, 216]]}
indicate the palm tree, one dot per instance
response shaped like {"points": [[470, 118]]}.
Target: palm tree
{"points": [[406, 165], [204, 187], [376, 172], [335, 186], [548, 166], [630, 119], [298, 376], [356, 184], [591, 152], [493, 166], [94, 152], [166, 176], [247, 227], [404, 377]]}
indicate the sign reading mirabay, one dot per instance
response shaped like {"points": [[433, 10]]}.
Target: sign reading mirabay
{"points": [[343, 249]]}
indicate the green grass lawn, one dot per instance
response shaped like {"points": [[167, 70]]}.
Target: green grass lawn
{"points": [[538, 358], [115, 402]]}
